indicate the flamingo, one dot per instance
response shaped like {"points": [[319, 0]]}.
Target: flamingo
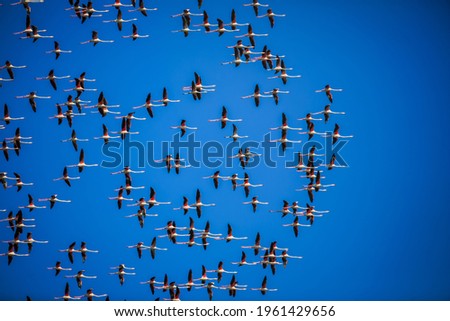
{"points": [[332, 163], [117, 4], [152, 201], [284, 211], [165, 284], [275, 93], [126, 125], [152, 283], [31, 99], [311, 131], [284, 75], [199, 86], [127, 170], [190, 283], [336, 134], [79, 87], [9, 68], [215, 178], [233, 23], [300, 166], [172, 233], [240, 46], [95, 39], [5, 148], [204, 277], [27, 29], [295, 225], [174, 292], [77, 102], [280, 65], [119, 20], [284, 256], [251, 35], [31, 206], [139, 247], [196, 93], [15, 242], [90, 9], [271, 15], [327, 112], [284, 126], [148, 105], [35, 35], [255, 4], [6, 116], [102, 106], [205, 23], [81, 164], [221, 28], [230, 235], [53, 199], [74, 140], [183, 127], [120, 198], [153, 248], [327, 89], [207, 234], [80, 276], [106, 137], [237, 59], [135, 35], [243, 261], [235, 135], [198, 204], [58, 268], [66, 178], [177, 164], [121, 273], [19, 183], [70, 250], [233, 287], [18, 140], [142, 9], [234, 179], [59, 116], [90, 295], [256, 95], [3, 178], [256, 246], [57, 50], [247, 184], [185, 207], [311, 209], [209, 288], [220, 270], [51, 77], [254, 202], [186, 15], [165, 100], [10, 219], [263, 287], [128, 185], [309, 118], [318, 185], [141, 215], [266, 57], [185, 30], [310, 174], [191, 242], [312, 153], [66, 296], [19, 222]]}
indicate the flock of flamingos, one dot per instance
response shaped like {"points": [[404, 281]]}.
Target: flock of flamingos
{"points": [[265, 255]]}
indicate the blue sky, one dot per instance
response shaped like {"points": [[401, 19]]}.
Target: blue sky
{"points": [[386, 237]]}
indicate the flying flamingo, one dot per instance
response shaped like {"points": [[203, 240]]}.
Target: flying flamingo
{"points": [[177, 164], [230, 236], [237, 59], [296, 225], [70, 250], [332, 163], [126, 125], [127, 170], [255, 4], [284, 211], [9, 68], [142, 9], [284, 75], [233, 23], [106, 136], [119, 20], [191, 242], [135, 35], [148, 105], [235, 135], [263, 287], [215, 178], [336, 134], [152, 283], [221, 28], [81, 164], [300, 166], [185, 30], [205, 23], [139, 247], [204, 277], [199, 86], [66, 296], [243, 261], [19, 183], [120, 198], [66, 178], [271, 15], [251, 35], [185, 207], [35, 35], [152, 201], [309, 118], [58, 268], [254, 202], [74, 139], [256, 95], [190, 283], [280, 65], [51, 77], [31, 206], [90, 295], [153, 248], [15, 242], [80, 276], [311, 131], [256, 246], [95, 39], [186, 15], [59, 116], [53, 199], [275, 93], [19, 224], [79, 88], [198, 204], [27, 29], [233, 287], [284, 256], [205, 234], [183, 127], [6, 117], [31, 99], [234, 179], [327, 89], [121, 272], [87, 13], [220, 270], [165, 100], [18, 140], [284, 125], [327, 112], [117, 4], [5, 148], [128, 185]]}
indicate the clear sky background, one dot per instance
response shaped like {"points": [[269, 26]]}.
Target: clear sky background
{"points": [[386, 236]]}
